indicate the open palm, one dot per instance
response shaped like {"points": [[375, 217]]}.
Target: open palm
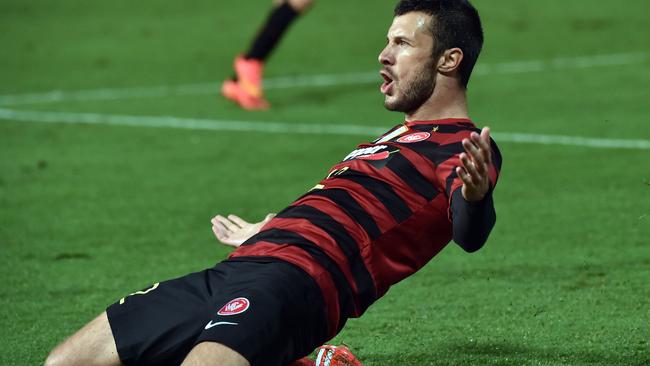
{"points": [[233, 230]]}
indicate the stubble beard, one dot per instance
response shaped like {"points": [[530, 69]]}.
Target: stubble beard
{"points": [[415, 93]]}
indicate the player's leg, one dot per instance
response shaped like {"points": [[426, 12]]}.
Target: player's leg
{"points": [[245, 87], [91, 345], [155, 326], [214, 354]]}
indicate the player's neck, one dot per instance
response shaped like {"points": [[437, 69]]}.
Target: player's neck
{"points": [[445, 102]]}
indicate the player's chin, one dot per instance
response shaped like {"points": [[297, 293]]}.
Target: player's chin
{"points": [[391, 103]]}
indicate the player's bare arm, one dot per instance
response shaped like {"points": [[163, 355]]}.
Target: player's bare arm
{"points": [[476, 164], [232, 230]]}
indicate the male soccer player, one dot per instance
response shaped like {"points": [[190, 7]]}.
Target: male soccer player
{"points": [[377, 217], [245, 87]]}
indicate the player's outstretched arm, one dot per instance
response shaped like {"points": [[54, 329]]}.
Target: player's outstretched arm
{"points": [[232, 230], [472, 207]]}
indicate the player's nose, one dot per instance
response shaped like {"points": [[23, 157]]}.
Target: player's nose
{"points": [[385, 58]]}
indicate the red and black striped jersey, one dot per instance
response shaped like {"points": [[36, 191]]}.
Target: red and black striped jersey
{"points": [[380, 215]]}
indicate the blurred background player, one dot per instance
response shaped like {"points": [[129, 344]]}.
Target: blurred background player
{"points": [[245, 86]]}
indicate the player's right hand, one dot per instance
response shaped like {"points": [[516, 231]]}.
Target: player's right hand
{"points": [[233, 230]]}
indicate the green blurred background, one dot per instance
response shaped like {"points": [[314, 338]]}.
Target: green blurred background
{"points": [[90, 212]]}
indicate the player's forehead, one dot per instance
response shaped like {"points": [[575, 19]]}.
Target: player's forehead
{"points": [[413, 25]]}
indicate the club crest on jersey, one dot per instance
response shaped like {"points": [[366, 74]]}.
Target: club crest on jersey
{"points": [[235, 306], [414, 137]]}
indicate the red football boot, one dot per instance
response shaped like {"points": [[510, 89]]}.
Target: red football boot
{"points": [[247, 90], [329, 355]]}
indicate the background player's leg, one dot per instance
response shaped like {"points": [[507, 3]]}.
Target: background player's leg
{"points": [[214, 354], [245, 87], [279, 19], [91, 345]]}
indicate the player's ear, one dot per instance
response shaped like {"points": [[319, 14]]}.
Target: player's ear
{"points": [[450, 60]]}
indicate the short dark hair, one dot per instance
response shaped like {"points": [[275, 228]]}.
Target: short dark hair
{"points": [[455, 23]]}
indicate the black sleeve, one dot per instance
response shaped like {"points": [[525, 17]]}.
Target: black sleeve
{"points": [[472, 221]]}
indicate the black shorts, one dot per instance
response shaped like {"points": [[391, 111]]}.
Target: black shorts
{"points": [[269, 311]]}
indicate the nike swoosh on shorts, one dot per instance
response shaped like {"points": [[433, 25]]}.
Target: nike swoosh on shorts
{"points": [[211, 324]]}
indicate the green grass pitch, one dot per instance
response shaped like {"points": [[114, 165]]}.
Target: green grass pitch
{"points": [[91, 212]]}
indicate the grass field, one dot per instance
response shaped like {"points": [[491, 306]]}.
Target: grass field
{"points": [[92, 211]]}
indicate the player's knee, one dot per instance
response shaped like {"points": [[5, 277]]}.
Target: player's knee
{"points": [[300, 5], [50, 360], [57, 357], [68, 355], [91, 345]]}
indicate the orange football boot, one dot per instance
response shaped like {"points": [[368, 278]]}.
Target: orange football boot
{"points": [[247, 90]]}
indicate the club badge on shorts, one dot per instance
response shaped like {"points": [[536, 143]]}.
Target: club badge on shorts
{"points": [[235, 306]]}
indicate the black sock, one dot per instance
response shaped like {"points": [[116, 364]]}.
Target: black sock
{"points": [[270, 34]]}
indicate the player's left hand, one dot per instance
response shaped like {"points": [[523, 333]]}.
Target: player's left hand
{"points": [[233, 230], [476, 161]]}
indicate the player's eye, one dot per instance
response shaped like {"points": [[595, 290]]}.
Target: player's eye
{"points": [[402, 42]]}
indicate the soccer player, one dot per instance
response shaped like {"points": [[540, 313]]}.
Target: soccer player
{"points": [[377, 217], [245, 87]]}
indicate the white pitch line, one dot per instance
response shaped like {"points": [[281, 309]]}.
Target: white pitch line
{"points": [[601, 143], [186, 123], [563, 63], [290, 128], [313, 81]]}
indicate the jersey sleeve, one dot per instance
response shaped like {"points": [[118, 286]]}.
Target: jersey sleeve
{"points": [[447, 178], [472, 221]]}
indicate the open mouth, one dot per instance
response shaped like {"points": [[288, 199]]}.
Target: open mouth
{"points": [[387, 85]]}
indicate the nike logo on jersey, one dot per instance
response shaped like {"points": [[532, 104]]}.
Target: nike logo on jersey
{"points": [[211, 324]]}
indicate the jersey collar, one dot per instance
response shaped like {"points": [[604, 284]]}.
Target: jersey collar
{"points": [[438, 121]]}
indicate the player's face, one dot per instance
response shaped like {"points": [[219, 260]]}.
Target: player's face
{"points": [[409, 69]]}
